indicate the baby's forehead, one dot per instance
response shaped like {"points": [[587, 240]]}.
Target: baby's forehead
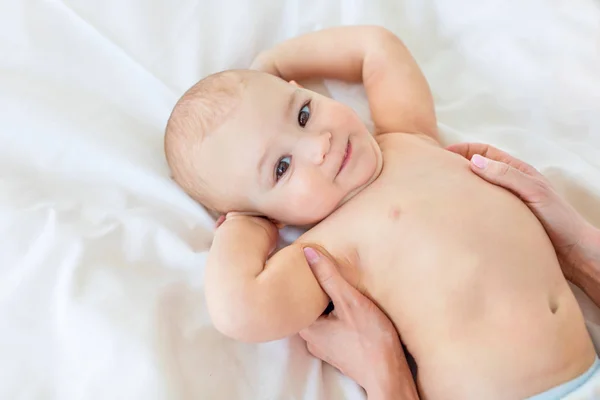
{"points": [[235, 147], [228, 168], [230, 160], [265, 102]]}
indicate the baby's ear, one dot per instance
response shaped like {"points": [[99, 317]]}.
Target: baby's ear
{"points": [[296, 84]]}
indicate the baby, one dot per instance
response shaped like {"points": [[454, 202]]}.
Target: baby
{"points": [[463, 269]]}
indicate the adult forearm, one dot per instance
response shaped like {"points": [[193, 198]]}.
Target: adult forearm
{"points": [[405, 391]]}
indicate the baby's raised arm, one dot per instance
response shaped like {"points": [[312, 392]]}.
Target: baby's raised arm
{"points": [[253, 299], [399, 96]]}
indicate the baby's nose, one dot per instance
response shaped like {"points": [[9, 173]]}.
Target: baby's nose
{"points": [[318, 146]]}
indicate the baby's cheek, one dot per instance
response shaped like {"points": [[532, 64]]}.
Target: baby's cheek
{"points": [[301, 194], [313, 198]]}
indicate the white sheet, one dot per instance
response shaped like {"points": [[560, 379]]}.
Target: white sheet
{"points": [[101, 255]]}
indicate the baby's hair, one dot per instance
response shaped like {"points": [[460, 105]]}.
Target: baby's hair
{"points": [[200, 111]]}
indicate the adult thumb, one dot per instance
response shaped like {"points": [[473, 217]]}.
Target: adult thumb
{"points": [[331, 281]]}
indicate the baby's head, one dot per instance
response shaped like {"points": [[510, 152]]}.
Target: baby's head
{"points": [[248, 141]]}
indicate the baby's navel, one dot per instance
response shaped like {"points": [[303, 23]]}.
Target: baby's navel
{"points": [[394, 213], [553, 304]]}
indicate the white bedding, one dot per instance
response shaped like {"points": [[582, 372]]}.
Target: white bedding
{"points": [[101, 255]]}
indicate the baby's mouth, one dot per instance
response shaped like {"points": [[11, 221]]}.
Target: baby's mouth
{"points": [[347, 155]]}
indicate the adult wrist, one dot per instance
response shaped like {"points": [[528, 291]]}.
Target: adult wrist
{"points": [[587, 258], [593, 247], [403, 388], [394, 383]]}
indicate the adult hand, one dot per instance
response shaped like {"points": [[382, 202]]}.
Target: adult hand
{"points": [[576, 241], [357, 338]]}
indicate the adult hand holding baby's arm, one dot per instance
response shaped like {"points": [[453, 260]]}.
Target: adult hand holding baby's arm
{"points": [[576, 241], [357, 338], [254, 298]]}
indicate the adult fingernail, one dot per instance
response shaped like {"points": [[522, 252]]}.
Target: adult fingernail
{"points": [[479, 161], [311, 256]]}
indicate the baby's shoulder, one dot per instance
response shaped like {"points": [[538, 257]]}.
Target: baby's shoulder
{"points": [[338, 240], [327, 228]]}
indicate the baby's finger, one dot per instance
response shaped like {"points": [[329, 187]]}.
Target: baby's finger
{"points": [[220, 221], [234, 214], [341, 293], [528, 188]]}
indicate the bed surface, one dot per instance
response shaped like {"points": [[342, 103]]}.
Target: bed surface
{"points": [[102, 255]]}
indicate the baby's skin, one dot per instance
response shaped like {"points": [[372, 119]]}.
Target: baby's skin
{"points": [[463, 269]]}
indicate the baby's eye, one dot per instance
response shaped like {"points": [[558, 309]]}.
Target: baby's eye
{"points": [[304, 115], [282, 166]]}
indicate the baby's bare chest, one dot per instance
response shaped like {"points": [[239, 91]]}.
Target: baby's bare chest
{"points": [[404, 216], [426, 216]]}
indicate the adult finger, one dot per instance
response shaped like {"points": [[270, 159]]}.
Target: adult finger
{"points": [[323, 327], [318, 352], [530, 189], [468, 150], [339, 291], [318, 337]]}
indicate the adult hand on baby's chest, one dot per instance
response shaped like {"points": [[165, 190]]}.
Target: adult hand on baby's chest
{"points": [[356, 337]]}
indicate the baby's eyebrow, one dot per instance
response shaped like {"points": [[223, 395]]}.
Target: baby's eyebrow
{"points": [[292, 102], [260, 168]]}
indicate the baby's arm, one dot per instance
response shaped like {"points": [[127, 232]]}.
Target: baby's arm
{"points": [[399, 96], [252, 299]]}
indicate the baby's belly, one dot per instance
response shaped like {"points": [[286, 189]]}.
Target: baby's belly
{"points": [[466, 273], [492, 343], [480, 302]]}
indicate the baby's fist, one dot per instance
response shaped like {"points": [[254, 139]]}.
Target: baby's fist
{"points": [[264, 62]]}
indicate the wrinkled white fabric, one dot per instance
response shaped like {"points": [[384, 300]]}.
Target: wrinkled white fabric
{"points": [[102, 256]]}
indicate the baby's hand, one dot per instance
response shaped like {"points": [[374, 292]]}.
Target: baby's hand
{"points": [[236, 214], [228, 216], [265, 62], [220, 221], [245, 226]]}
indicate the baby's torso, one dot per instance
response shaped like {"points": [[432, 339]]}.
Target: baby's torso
{"points": [[465, 272]]}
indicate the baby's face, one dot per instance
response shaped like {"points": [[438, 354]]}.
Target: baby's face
{"points": [[289, 154]]}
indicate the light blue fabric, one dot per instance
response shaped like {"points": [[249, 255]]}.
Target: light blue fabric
{"points": [[561, 391]]}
